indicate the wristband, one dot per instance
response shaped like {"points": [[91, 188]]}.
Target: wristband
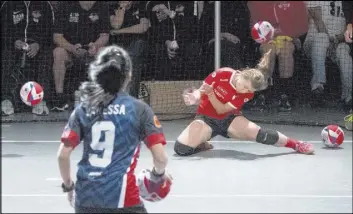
{"points": [[157, 174], [68, 189]]}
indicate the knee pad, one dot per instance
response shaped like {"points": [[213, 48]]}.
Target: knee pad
{"points": [[183, 150], [268, 137]]}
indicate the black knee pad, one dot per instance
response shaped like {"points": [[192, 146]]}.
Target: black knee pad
{"points": [[268, 137], [183, 150]]}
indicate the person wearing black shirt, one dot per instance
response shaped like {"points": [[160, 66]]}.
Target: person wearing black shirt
{"points": [[129, 26], [26, 31], [81, 29]]}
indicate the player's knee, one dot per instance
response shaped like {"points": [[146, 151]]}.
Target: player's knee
{"points": [[182, 149], [268, 137]]}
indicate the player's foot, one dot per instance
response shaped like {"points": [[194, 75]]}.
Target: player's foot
{"points": [[204, 147], [304, 148]]}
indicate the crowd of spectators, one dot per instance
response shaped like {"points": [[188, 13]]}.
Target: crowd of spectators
{"points": [[52, 42]]}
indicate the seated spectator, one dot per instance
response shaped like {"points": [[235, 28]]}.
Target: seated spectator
{"points": [[81, 29], [348, 14], [234, 19], [290, 20], [129, 25], [24, 50], [326, 39], [168, 38]]}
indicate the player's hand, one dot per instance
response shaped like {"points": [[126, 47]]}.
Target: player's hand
{"points": [[206, 88], [189, 96], [161, 179], [70, 198]]}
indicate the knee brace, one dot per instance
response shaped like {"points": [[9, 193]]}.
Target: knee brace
{"points": [[183, 150], [268, 137]]}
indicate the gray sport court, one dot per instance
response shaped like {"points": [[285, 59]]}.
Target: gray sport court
{"points": [[235, 177]]}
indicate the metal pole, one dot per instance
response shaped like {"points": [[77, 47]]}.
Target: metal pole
{"points": [[217, 37]]}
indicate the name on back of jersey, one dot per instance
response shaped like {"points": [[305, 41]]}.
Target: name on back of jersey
{"points": [[115, 109]]}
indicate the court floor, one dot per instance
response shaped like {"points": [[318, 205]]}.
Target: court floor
{"points": [[234, 177]]}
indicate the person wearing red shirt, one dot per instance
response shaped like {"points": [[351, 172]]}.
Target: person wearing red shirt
{"points": [[221, 98], [290, 20]]}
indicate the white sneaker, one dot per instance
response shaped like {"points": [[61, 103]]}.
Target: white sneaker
{"points": [[7, 107], [40, 109]]}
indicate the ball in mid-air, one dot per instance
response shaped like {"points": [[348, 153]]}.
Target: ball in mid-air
{"points": [[31, 93], [262, 32]]}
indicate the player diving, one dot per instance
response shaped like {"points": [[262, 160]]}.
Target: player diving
{"points": [[220, 100]]}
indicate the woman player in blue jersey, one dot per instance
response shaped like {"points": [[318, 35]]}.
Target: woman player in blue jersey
{"points": [[111, 124]]}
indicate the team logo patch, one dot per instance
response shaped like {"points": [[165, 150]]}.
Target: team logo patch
{"points": [[213, 74], [246, 99], [156, 122]]}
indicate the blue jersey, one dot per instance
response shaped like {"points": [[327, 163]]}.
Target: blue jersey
{"points": [[111, 146]]}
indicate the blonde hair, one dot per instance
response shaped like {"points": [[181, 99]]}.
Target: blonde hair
{"points": [[258, 76]]}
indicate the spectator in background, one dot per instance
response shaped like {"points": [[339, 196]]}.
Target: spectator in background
{"points": [[82, 28], [26, 28], [347, 7], [326, 39], [234, 19], [129, 25], [169, 36], [290, 20]]}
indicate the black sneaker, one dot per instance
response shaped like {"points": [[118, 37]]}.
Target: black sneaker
{"points": [[60, 104], [284, 104]]}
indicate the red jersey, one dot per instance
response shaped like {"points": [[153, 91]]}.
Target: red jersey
{"points": [[225, 92], [290, 16]]}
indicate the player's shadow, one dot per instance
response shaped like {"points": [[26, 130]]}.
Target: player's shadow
{"points": [[233, 154]]}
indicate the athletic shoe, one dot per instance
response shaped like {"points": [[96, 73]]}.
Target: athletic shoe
{"points": [[7, 108], [204, 147], [41, 109], [304, 148], [60, 103]]}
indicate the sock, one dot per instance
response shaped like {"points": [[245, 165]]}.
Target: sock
{"points": [[291, 143]]}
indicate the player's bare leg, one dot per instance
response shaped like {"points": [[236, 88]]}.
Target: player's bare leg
{"points": [[193, 139], [243, 129]]}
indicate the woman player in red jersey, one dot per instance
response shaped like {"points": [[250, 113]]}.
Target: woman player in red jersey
{"points": [[220, 99]]}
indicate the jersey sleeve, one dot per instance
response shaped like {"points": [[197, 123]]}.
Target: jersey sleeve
{"points": [[238, 102], [218, 74], [211, 78], [151, 132], [71, 136]]}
